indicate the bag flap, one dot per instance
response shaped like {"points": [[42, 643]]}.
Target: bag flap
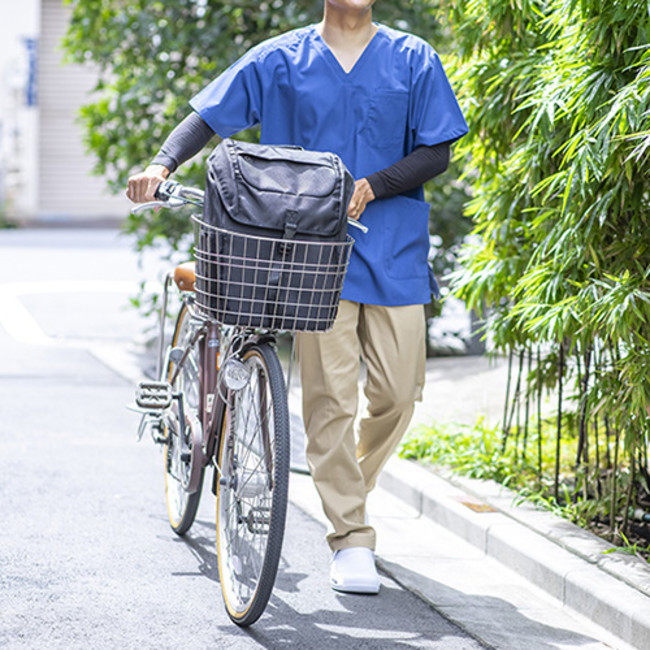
{"points": [[259, 185], [300, 174]]}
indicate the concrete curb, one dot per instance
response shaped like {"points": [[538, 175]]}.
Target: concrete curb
{"points": [[558, 557]]}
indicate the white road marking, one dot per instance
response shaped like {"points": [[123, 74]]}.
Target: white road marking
{"points": [[19, 323]]}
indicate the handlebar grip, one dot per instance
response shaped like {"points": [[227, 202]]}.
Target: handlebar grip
{"points": [[165, 190]]}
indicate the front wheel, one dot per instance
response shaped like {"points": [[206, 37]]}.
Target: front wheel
{"points": [[253, 458]]}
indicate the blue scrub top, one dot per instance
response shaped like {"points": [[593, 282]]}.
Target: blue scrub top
{"points": [[396, 98]]}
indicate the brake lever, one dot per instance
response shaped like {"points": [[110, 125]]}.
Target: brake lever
{"points": [[172, 202], [141, 207]]}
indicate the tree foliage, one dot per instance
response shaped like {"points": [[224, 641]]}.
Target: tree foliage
{"points": [[557, 96], [153, 56]]}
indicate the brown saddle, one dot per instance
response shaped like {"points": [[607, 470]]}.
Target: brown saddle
{"points": [[185, 276]]}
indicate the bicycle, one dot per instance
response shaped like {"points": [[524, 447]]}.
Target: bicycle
{"points": [[220, 399]]}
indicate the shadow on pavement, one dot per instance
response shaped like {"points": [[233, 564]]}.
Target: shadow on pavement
{"points": [[304, 612], [396, 618]]}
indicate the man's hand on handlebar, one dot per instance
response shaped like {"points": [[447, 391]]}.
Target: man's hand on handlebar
{"points": [[361, 196], [142, 187]]}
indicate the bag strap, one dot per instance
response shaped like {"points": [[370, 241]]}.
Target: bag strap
{"points": [[290, 224]]}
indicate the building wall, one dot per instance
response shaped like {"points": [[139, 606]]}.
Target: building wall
{"points": [[19, 22], [67, 189]]}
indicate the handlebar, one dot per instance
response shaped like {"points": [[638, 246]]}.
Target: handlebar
{"points": [[171, 194]]}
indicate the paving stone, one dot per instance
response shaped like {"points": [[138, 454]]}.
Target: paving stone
{"points": [[612, 603], [531, 556]]}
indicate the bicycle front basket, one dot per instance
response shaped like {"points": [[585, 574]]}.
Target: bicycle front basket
{"points": [[269, 283]]}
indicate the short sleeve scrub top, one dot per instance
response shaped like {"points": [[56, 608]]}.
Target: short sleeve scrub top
{"points": [[395, 98]]}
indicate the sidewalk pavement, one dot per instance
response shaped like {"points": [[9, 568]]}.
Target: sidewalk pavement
{"points": [[512, 576]]}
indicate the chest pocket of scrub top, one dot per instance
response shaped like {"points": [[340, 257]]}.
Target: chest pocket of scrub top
{"points": [[386, 121]]}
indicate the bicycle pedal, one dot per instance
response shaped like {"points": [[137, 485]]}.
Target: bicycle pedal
{"points": [[258, 520], [153, 395]]}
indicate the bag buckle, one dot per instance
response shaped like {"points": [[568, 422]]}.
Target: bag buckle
{"points": [[290, 230]]}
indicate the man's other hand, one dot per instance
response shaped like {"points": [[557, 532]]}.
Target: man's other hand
{"points": [[361, 196]]}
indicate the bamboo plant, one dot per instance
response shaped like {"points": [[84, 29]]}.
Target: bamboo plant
{"points": [[557, 96]]}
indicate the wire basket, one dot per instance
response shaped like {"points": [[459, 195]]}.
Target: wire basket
{"points": [[269, 283]]}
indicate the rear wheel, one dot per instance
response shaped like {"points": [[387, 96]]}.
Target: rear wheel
{"points": [[180, 474], [252, 488]]}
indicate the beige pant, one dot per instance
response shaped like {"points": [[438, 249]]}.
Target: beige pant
{"points": [[391, 342]]}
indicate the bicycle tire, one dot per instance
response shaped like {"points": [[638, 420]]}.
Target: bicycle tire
{"points": [[181, 505], [252, 489]]}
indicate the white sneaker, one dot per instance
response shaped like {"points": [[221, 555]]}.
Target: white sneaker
{"points": [[353, 570]]}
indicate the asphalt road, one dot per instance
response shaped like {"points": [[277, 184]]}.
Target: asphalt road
{"points": [[87, 559]]}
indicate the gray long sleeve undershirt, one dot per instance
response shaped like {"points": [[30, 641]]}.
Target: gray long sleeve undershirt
{"points": [[421, 165]]}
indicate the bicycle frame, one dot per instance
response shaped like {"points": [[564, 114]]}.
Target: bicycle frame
{"points": [[216, 343]]}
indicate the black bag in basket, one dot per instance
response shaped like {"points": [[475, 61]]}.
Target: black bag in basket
{"points": [[278, 238]]}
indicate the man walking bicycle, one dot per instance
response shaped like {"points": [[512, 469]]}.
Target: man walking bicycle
{"points": [[380, 99]]}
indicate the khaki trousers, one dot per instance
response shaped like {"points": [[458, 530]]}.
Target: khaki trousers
{"points": [[344, 467]]}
